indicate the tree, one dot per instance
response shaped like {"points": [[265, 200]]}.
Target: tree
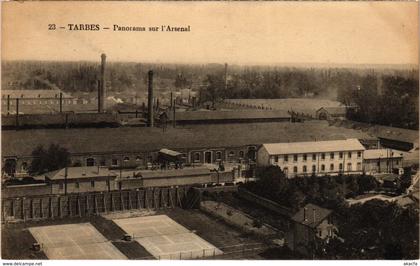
{"points": [[54, 158]]}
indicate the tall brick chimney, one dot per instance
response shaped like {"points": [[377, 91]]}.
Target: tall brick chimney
{"points": [[101, 96], [150, 100]]}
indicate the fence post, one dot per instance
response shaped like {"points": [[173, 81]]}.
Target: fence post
{"points": [[138, 199], [104, 200], [41, 209], [79, 211], [50, 207], [69, 206], [96, 203], [23, 209], [146, 203], [13, 208], [112, 202]]}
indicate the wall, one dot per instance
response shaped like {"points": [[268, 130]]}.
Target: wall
{"points": [[25, 190], [356, 162], [85, 204], [371, 166], [84, 186]]}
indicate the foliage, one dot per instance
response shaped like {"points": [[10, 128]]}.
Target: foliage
{"points": [[376, 229], [45, 160]]}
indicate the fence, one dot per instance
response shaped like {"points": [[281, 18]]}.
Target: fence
{"points": [[85, 204]]}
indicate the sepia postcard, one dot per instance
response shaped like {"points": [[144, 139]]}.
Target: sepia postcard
{"points": [[209, 131]]}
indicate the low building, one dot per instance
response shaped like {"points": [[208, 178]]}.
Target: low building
{"points": [[331, 113], [81, 179], [174, 177], [313, 157], [381, 160], [310, 225]]}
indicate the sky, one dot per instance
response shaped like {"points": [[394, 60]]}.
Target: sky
{"points": [[264, 33]]}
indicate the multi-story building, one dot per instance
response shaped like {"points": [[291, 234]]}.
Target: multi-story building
{"points": [[381, 160], [313, 157]]}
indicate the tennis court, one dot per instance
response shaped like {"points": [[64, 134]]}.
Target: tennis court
{"points": [[74, 241], [166, 239]]}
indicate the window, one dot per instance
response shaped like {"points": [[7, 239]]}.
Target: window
{"points": [[285, 170], [304, 157], [241, 154], [331, 155], [231, 153], [359, 154], [295, 169], [107, 183], [349, 154], [295, 157], [196, 157], [313, 168], [359, 166], [60, 186], [92, 183], [314, 157], [218, 155], [77, 185], [286, 158], [322, 167], [340, 167], [332, 167], [340, 155], [138, 158], [319, 233], [322, 156], [90, 162], [378, 163], [114, 162], [24, 167], [304, 169], [126, 159], [349, 167], [276, 159]]}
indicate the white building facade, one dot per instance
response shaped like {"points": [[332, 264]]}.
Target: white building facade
{"points": [[314, 157]]}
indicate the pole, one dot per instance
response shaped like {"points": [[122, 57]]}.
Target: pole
{"points": [[65, 180], [8, 104], [61, 102], [17, 112]]}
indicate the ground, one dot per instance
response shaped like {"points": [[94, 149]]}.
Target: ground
{"points": [[17, 240]]}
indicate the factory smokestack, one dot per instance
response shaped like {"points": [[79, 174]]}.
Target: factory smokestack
{"points": [[101, 95], [150, 100], [226, 71]]}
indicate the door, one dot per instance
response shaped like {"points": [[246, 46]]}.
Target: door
{"points": [[207, 157]]}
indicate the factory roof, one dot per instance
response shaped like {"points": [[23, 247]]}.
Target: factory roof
{"points": [[381, 153], [32, 94], [314, 146], [170, 152], [184, 172], [138, 139], [86, 172], [229, 115], [314, 215]]}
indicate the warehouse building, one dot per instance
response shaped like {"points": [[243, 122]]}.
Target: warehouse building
{"points": [[314, 157]]}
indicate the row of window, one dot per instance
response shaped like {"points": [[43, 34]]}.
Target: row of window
{"points": [[30, 102], [314, 156], [77, 184], [218, 155], [323, 168]]}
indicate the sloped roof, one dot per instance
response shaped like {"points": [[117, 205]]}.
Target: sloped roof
{"points": [[314, 146], [184, 172], [381, 153], [170, 152], [314, 215], [34, 94], [339, 110], [229, 115], [138, 139], [80, 173]]}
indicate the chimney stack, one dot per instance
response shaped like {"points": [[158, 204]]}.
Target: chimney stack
{"points": [[102, 84], [150, 100], [226, 69], [99, 97], [174, 117]]}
